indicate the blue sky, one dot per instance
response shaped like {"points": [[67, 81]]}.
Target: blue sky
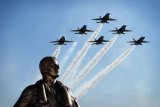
{"points": [[27, 27]]}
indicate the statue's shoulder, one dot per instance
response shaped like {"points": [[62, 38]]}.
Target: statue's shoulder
{"points": [[38, 83], [29, 90], [32, 87], [60, 84]]}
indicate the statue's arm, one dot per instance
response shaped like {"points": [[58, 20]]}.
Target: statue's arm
{"points": [[25, 98]]}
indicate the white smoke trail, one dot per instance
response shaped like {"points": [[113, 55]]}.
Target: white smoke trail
{"points": [[71, 70], [90, 84], [57, 51], [68, 54], [93, 62]]}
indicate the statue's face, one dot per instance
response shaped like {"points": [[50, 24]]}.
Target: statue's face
{"points": [[53, 69]]}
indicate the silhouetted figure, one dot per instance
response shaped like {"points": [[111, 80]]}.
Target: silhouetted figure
{"points": [[47, 92]]}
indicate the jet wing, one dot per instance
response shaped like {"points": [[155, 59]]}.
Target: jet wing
{"points": [[69, 41], [146, 42], [97, 19], [105, 41], [75, 30], [112, 19], [89, 31], [132, 44], [60, 44], [99, 22], [92, 41], [53, 41], [131, 41], [57, 44], [128, 30], [76, 33], [113, 30]]}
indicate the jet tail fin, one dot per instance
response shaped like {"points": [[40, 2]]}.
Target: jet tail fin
{"points": [[134, 39]]}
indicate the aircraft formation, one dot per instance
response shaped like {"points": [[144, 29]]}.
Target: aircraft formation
{"points": [[105, 19]]}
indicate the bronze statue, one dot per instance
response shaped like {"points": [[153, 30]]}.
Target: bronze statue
{"points": [[47, 92]]}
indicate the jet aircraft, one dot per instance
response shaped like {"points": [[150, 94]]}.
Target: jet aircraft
{"points": [[121, 30], [82, 30], [139, 41], [99, 41], [61, 41], [104, 19]]}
